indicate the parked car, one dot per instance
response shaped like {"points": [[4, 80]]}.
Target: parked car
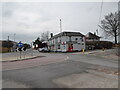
{"points": [[43, 49]]}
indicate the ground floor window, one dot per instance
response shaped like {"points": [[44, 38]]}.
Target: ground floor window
{"points": [[58, 46]]}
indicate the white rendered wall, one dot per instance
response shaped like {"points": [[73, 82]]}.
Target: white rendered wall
{"points": [[64, 47]]}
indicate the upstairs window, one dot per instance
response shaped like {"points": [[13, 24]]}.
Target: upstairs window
{"points": [[69, 38], [82, 40], [76, 39], [82, 43]]}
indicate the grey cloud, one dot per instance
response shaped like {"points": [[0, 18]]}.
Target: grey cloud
{"points": [[8, 8], [7, 14], [29, 20], [24, 37]]}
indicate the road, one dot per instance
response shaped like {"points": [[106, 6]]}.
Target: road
{"points": [[43, 76]]}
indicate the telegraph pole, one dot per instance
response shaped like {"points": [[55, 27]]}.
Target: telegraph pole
{"points": [[60, 25], [8, 44]]}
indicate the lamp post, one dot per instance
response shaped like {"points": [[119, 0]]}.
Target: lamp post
{"points": [[32, 49], [8, 44], [14, 46]]}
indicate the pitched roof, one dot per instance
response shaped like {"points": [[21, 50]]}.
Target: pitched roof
{"points": [[67, 34], [91, 35]]}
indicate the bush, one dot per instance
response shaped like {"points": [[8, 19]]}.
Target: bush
{"points": [[99, 44]]}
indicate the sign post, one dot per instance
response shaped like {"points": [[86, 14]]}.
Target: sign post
{"points": [[24, 49], [20, 45]]}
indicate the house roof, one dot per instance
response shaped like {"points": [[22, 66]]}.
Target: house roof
{"points": [[91, 35], [7, 41], [67, 34]]}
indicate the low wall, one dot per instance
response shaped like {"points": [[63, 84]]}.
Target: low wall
{"points": [[4, 50]]}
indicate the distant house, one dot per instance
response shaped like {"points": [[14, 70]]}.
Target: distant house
{"points": [[67, 41], [0, 43], [92, 37], [7, 45]]}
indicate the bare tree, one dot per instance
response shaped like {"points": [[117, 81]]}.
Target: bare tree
{"points": [[45, 36], [110, 25]]}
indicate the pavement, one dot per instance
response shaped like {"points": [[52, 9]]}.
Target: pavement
{"points": [[17, 55], [61, 70], [107, 53]]}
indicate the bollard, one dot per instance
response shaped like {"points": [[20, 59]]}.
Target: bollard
{"points": [[83, 50], [20, 55]]}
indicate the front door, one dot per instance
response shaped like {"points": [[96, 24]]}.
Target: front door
{"points": [[70, 47]]}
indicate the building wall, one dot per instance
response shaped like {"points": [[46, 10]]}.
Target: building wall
{"points": [[80, 43], [61, 43], [0, 43], [93, 39]]}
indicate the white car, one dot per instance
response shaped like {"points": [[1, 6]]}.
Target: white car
{"points": [[43, 49], [39, 49]]}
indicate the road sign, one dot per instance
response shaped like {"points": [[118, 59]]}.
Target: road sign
{"points": [[20, 44], [20, 49], [24, 48]]}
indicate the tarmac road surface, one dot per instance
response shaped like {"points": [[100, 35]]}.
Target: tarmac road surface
{"points": [[44, 76]]}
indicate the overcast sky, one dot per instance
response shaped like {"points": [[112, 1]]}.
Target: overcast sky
{"points": [[29, 19]]}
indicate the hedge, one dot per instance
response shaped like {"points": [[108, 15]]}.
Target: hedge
{"points": [[100, 44]]}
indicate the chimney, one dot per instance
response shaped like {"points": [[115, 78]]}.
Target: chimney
{"points": [[51, 35], [94, 33]]}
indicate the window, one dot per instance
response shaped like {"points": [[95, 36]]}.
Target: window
{"points": [[58, 46], [64, 46], [76, 39], [82, 40], [69, 38], [82, 43]]}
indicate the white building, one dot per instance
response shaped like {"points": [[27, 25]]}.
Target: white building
{"points": [[67, 41]]}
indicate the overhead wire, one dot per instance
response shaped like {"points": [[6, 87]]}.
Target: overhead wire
{"points": [[100, 12]]}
